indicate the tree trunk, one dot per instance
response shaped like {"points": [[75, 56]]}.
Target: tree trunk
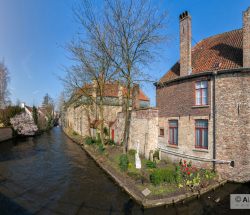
{"points": [[102, 122], [101, 115], [127, 120]]}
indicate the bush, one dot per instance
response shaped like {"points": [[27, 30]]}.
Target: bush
{"points": [[110, 142], [156, 178], [150, 164], [74, 133], [156, 155], [23, 125], [106, 131], [101, 148], [132, 152], [8, 113], [123, 162], [90, 141], [163, 175]]}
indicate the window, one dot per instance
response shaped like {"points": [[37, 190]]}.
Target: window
{"points": [[162, 132], [173, 132], [201, 93], [201, 134]]}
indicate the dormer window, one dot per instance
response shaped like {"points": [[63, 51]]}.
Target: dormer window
{"points": [[201, 91]]}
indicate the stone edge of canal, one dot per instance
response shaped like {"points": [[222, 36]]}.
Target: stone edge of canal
{"points": [[136, 195]]}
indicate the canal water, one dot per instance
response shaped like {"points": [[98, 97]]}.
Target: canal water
{"points": [[50, 174]]}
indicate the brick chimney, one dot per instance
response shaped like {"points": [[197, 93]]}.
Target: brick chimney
{"points": [[246, 38], [135, 97], [185, 44]]}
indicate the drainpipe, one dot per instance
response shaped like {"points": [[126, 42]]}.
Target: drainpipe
{"points": [[214, 124]]}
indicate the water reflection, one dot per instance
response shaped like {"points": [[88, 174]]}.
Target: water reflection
{"points": [[50, 174]]}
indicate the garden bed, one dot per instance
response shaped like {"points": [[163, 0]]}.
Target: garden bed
{"points": [[167, 182]]}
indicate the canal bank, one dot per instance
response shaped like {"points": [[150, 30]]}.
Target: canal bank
{"points": [[6, 133], [128, 185]]}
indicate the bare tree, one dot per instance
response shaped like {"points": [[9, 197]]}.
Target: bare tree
{"points": [[93, 68], [135, 28], [49, 107], [120, 41], [4, 80]]}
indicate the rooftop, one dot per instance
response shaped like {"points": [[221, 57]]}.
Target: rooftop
{"points": [[222, 51]]}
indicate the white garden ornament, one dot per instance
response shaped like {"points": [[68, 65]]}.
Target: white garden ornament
{"points": [[137, 158]]}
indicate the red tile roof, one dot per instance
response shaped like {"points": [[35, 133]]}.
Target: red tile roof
{"points": [[222, 51], [30, 109], [112, 90]]}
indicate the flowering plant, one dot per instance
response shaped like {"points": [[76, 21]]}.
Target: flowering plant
{"points": [[23, 124], [188, 173]]}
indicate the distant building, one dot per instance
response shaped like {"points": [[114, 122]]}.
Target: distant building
{"points": [[82, 115], [41, 113]]}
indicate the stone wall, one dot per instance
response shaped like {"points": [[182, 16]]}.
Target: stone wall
{"points": [[5, 134], [79, 118], [233, 125], [143, 129]]}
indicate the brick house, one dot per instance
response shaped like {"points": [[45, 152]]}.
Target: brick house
{"points": [[204, 102]]}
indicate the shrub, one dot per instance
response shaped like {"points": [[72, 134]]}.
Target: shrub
{"points": [[132, 152], [156, 155], [8, 113], [110, 142], [156, 178], [150, 164], [106, 131], [101, 148], [209, 174], [163, 175], [178, 175], [74, 133], [88, 140], [23, 124], [123, 162]]}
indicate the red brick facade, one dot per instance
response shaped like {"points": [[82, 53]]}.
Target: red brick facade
{"points": [[178, 99]]}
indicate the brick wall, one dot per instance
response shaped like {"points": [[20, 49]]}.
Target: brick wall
{"points": [[178, 99], [233, 125], [5, 134], [246, 38], [185, 44]]}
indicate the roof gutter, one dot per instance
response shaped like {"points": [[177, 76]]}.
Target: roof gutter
{"points": [[202, 74]]}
